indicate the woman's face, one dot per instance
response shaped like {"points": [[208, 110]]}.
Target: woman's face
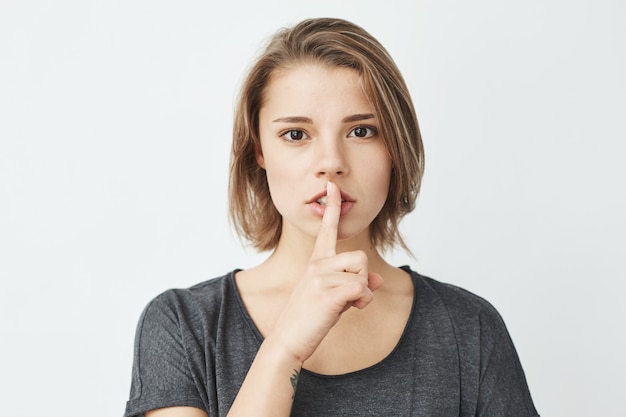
{"points": [[316, 125]]}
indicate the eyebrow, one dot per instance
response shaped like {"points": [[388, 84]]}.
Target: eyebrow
{"points": [[293, 119], [302, 119], [358, 117]]}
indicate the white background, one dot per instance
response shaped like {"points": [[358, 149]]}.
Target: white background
{"points": [[115, 122]]}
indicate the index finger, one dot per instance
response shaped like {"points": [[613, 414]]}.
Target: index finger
{"points": [[326, 242]]}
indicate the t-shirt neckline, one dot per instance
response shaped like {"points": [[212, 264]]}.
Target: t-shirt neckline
{"points": [[259, 337]]}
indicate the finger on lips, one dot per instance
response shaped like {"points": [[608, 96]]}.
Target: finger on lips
{"points": [[351, 264], [326, 242]]}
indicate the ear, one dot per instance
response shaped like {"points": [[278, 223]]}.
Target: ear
{"points": [[259, 159]]}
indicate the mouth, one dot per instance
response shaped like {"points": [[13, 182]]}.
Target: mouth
{"points": [[319, 202], [322, 199]]}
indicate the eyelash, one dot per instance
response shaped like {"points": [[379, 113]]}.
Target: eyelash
{"points": [[291, 131], [372, 131]]}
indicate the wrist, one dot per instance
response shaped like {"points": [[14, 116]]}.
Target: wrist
{"points": [[273, 350]]}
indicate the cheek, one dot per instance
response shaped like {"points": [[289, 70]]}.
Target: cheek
{"points": [[280, 175], [382, 178], [384, 182], [276, 170], [378, 168]]}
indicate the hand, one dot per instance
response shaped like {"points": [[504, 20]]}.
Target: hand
{"points": [[331, 284]]}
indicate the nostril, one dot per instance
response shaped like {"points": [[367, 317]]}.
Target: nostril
{"points": [[331, 173]]}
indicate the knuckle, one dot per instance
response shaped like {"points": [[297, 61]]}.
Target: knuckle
{"points": [[314, 268], [361, 257], [316, 283], [356, 287], [366, 297]]}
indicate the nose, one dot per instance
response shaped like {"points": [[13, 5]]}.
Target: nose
{"points": [[331, 159]]}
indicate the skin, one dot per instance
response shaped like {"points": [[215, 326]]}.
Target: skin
{"points": [[336, 128], [314, 298]]}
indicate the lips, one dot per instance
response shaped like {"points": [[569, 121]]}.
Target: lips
{"points": [[321, 198], [318, 203]]}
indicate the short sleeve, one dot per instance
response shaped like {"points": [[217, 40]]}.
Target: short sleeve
{"points": [[162, 374], [503, 390]]}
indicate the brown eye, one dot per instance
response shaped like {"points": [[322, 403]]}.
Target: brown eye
{"points": [[363, 132], [294, 135]]}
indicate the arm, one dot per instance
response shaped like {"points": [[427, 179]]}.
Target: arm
{"points": [[177, 412], [331, 284], [270, 385], [503, 388]]}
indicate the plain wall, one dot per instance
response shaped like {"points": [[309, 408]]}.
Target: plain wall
{"points": [[115, 122]]}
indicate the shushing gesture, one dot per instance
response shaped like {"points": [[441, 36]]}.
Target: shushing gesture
{"points": [[331, 284]]}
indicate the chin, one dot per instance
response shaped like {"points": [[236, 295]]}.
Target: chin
{"points": [[357, 235]]}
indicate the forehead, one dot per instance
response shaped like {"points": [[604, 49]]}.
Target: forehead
{"points": [[315, 89]]}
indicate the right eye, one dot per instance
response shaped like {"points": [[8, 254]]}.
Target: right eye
{"points": [[294, 135]]}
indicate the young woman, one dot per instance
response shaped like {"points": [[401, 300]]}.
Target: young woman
{"points": [[327, 158]]}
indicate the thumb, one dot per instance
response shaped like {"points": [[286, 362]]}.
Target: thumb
{"points": [[374, 281]]}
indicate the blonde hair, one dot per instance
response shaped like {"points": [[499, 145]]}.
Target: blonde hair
{"points": [[335, 43]]}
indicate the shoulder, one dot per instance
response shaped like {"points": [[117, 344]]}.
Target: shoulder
{"points": [[469, 313], [175, 331], [492, 378], [209, 292], [192, 307]]}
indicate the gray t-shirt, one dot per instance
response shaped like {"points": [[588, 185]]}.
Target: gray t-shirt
{"points": [[455, 358]]}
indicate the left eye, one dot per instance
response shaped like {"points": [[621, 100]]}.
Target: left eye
{"points": [[362, 132]]}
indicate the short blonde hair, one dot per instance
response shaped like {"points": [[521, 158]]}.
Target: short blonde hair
{"points": [[335, 43]]}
